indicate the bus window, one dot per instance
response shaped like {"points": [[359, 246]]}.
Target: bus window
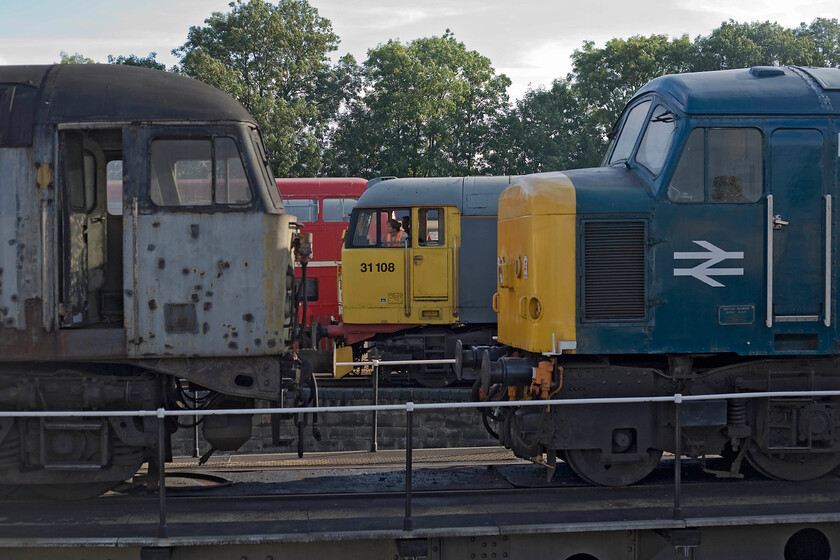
{"points": [[115, 190], [305, 209], [338, 209]]}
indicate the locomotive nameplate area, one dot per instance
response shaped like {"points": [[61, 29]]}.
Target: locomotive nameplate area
{"points": [[736, 315]]}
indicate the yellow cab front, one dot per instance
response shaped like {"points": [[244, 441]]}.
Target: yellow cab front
{"points": [[404, 278]]}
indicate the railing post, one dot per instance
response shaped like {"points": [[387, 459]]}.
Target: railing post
{"points": [[196, 449], [162, 529], [678, 456], [374, 445], [409, 446]]}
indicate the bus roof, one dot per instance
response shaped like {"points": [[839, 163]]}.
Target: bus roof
{"points": [[321, 186]]}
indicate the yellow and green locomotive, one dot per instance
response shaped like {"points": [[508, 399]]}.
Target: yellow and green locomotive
{"points": [[700, 259], [412, 292]]}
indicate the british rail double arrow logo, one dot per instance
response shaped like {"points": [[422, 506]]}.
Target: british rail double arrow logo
{"points": [[704, 270]]}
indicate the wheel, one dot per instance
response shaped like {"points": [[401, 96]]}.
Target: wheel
{"points": [[589, 465], [523, 442], [792, 466]]}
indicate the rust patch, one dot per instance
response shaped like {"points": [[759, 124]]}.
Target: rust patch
{"points": [[180, 318]]}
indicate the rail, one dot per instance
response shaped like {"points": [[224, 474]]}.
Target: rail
{"points": [[410, 408]]}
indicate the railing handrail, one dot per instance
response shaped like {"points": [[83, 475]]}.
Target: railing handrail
{"points": [[412, 406]]}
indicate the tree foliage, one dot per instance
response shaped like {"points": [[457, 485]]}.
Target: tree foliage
{"points": [[547, 130], [427, 109], [133, 60], [75, 58], [273, 59], [433, 107]]}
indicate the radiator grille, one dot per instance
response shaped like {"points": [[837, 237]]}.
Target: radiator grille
{"points": [[613, 271]]}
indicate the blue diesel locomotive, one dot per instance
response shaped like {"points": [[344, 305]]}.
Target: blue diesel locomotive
{"points": [[700, 259]]}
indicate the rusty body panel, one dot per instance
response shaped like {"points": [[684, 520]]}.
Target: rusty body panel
{"points": [[142, 243]]}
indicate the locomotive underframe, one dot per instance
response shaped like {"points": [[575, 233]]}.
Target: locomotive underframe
{"points": [[92, 454], [788, 438], [427, 343]]}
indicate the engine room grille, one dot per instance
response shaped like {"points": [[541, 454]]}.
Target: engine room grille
{"points": [[613, 271]]}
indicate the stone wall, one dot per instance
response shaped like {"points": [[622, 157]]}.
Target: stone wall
{"points": [[353, 431]]}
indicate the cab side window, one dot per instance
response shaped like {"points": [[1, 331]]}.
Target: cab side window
{"points": [[430, 229], [719, 165]]}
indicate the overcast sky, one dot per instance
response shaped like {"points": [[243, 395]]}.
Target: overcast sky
{"points": [[530, 41]]}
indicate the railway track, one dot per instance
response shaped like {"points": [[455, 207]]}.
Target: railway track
{"points": [[253, 506]]}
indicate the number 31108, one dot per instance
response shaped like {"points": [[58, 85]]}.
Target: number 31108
{"points": [[378, 267]]}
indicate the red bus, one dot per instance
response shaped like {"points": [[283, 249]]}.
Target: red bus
{"points": [[323, 207]]}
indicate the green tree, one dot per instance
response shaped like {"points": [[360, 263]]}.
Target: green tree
{"points": [[427, 109], [273, 59], [825, 35], [606, 78], [741, 45], [547, 130], [133, 60], [75, 59]]}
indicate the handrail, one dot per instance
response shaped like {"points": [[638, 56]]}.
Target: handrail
{"points": [[769, 265], [410, 408], [455, 279], [828, 270], [407, 282]]}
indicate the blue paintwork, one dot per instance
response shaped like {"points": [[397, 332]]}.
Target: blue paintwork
{"points": [[740, 92], [798, 121]]}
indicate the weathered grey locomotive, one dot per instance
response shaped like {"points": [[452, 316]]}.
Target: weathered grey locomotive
{"points": [[701, 259], [142, 244]]}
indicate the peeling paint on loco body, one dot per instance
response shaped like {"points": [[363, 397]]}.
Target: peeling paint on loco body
{"points": [[142, 242]]}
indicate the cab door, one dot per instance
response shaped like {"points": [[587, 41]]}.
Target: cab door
{"points": [[797, 214], [433, 254]]}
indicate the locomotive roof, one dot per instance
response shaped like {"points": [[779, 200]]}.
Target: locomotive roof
{"points": [[751, 91], [474, 196], [114, 92]]}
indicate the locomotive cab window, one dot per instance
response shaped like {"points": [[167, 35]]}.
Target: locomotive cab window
{"points": [[719, 165], [430, 227], [657, 139], [633, 123], [198, 172], [379, 227]]}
